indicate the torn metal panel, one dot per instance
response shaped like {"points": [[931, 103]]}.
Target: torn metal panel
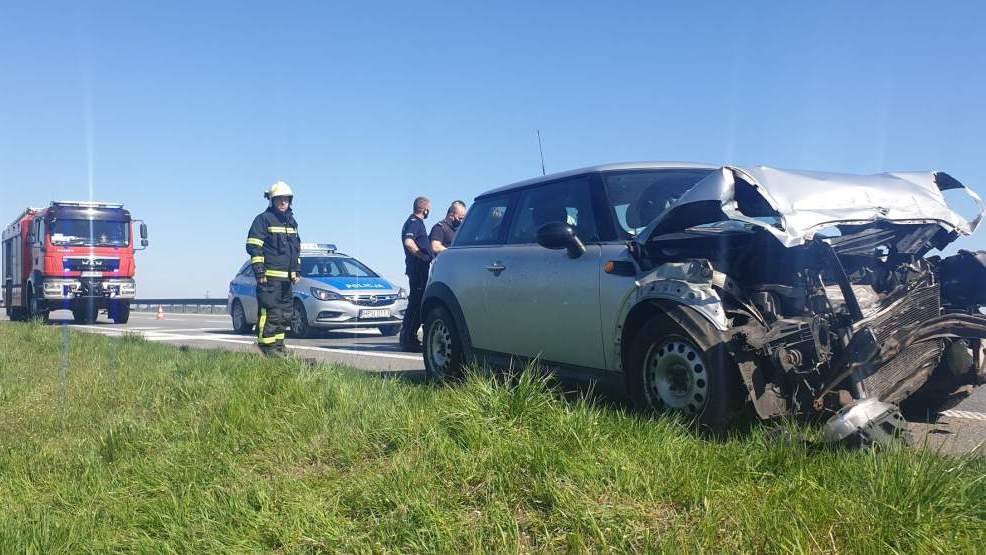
{"points": [[793, 205]]}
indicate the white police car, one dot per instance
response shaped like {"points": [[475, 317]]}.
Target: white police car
{"points": [[335, 291]]}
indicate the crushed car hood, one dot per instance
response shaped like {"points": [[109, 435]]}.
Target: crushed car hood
{"points": [[793, 205]]}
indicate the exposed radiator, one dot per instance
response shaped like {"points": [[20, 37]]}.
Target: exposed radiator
{"points": [[917, 361]]}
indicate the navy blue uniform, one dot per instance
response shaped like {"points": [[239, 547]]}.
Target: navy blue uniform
{"points": [[444, 232], [417, 276]]}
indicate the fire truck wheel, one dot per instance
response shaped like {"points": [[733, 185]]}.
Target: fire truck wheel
{"points": [[33, 308], [120, 313], [84, 315]]}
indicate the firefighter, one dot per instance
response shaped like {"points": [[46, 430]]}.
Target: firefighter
{"points": [[275, 248]]}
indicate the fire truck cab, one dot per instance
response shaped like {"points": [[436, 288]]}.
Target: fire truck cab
{"points": [[72, 255]]}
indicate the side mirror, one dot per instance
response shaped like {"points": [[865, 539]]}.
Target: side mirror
{"points": [[560, 235], [143, 232]]}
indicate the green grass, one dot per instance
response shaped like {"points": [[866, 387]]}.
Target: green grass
{"points": [[121, 444]]}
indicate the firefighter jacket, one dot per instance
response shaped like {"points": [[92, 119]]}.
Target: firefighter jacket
{"points": [[274, 245]]}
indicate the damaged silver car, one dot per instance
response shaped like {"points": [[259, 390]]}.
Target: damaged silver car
{"points": [[706, 289]]}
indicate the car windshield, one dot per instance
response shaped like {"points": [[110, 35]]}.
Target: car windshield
{"points": [[90, 233], [334, 266], [638, 197]]}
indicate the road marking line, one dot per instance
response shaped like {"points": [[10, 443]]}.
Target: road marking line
{"points": [[964, 414], [357, 353], [176, 330], [163, 336]]}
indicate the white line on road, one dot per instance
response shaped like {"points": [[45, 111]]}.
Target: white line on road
{"points": [[163, 335], [964, 414]]}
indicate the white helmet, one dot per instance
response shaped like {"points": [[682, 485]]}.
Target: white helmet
{"points": [[279, 189]]}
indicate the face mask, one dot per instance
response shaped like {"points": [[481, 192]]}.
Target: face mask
{"points": [[425, 214], [455, 223]]}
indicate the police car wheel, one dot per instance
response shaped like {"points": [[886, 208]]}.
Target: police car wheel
{"points": [[240, 324], [442, 346], [299, 321]]}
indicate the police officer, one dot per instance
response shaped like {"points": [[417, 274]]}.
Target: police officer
{"points": [[417, 257], [274, 247], [443, 233]]}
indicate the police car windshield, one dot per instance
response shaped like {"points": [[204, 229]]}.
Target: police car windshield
{"points": [[334, 266], [90, 233]]}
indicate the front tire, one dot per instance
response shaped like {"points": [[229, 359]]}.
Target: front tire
{"points": [[672, 370], [85, 315], [299, 321], [442, 346], [240, 324], [120, 312], [34, 308]]}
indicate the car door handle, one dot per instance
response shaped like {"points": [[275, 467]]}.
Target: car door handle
{"points": [[496, 268]]}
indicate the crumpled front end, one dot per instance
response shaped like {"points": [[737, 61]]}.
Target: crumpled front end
{"points": [[820, 323]]}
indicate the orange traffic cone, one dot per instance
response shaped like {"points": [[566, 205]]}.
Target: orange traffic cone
{"points": [[160, 313]]}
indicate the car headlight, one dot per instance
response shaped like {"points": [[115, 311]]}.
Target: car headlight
{"points": [[326, 295], [402, 293]]}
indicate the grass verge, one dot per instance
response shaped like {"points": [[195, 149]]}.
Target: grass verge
{"points": [[121, 444]]}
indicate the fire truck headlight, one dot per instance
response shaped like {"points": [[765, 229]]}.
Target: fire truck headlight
{"points": [[60, 288], [124, 288]]}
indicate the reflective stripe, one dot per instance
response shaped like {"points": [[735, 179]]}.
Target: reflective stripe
{"points": [[255, 242], [278, 229], [267, 340], [256, 260], [275, 273], [279, 336], [261, 324]]}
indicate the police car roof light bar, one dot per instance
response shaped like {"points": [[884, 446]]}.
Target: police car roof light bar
{"points": [[321, 247]]}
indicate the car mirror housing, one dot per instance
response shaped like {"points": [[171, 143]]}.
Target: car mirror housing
{"points": [[560, 235]]}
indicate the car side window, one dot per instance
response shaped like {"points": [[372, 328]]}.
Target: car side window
{"points": [[567, 201], [247, 269], [485, 222]]}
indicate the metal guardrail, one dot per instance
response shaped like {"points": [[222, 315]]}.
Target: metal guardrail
{"points": [[194, 306]]}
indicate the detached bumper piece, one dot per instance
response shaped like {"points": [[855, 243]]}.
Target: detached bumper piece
{"points": [[865, 424]]}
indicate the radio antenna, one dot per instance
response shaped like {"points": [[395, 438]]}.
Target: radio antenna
{"points": [[541, 151]]}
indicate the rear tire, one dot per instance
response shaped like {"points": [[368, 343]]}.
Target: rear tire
{"points": [[240, 324], [442, 346], [120, 312], [669, 369], [390, 331], [299, 321]]}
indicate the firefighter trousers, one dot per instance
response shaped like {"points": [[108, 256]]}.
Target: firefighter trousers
{"points": [[275, 306]]}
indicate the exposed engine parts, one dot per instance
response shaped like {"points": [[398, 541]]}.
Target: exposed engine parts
{"points": [[851, 324]]}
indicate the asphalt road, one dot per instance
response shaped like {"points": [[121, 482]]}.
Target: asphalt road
{"points": [[363, 348], [959, 426]]}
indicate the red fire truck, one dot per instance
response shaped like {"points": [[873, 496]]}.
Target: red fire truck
{"points": [[71, 255]]}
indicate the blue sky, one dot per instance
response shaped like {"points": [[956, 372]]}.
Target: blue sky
{"points": [[187, 111]]}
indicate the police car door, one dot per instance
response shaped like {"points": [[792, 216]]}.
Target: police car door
{"points": [[544, 303]]}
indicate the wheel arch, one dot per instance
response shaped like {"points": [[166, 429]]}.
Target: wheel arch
{"points": [[693, 322], [440, 294]]}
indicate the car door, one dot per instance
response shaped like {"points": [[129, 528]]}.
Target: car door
{"points": [[466, 267], [543, 303]]}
